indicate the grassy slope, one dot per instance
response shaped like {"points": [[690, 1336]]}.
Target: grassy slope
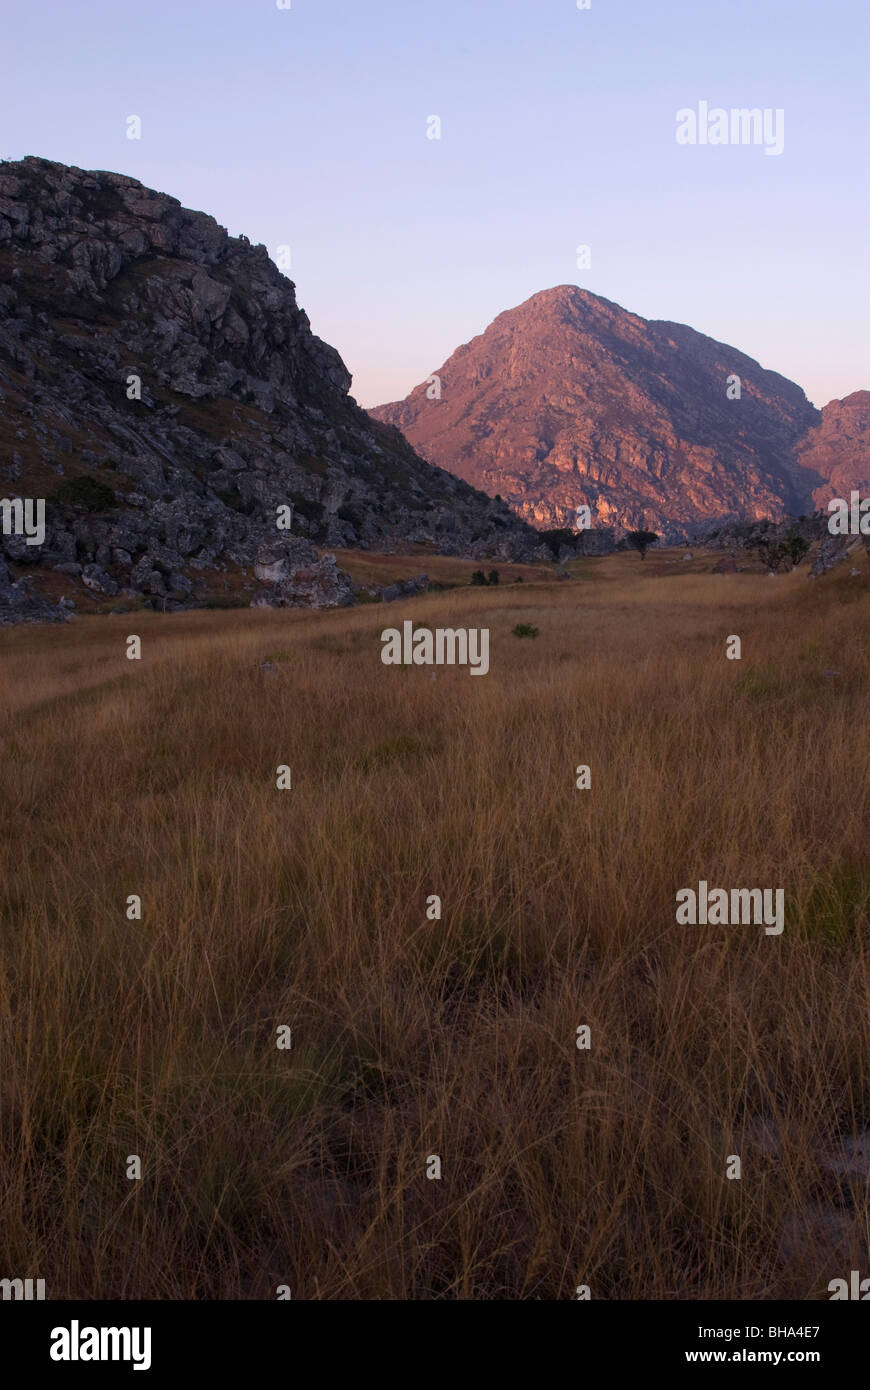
{"points": [[456, 1038]]}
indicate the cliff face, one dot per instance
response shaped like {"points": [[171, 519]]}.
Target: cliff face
{"points": [[838, 448], [569, 399], [242, 408]]}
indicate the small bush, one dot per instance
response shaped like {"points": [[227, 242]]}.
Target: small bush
{"points": [[554, 540], [226, 601], [759, 682], [87, 493], [525, 630], [478, 577]]}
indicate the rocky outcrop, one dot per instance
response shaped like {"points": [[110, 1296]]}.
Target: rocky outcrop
{"points": [[405, 588], [833, 550], [20, 603], [163, 392], [837, 449], [763, 541], [294, 577], [570, 400]]}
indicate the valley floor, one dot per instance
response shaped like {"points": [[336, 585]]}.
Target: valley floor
{"points": [[266, 909]]}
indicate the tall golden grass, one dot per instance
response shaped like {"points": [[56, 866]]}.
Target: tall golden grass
{"points": [[455, 1038]]}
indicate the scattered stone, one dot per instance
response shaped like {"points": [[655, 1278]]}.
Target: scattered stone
{"points": [[20, 603], [405, 588]]}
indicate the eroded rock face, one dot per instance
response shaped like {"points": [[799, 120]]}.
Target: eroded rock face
{"points": [[293, 576], [570, 400], [319, 584], [109, 291], [833, 550], [838, 449]]}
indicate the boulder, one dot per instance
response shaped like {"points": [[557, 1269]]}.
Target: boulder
{"points": [[319, 585], [405, 588], [98, 581]]}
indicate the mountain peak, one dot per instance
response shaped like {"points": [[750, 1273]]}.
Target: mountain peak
{"points": [[568, 399]]}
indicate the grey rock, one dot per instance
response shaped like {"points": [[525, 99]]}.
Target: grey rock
{"points": [[243, 408], [319, 585], [96, 579], [405, 588]]}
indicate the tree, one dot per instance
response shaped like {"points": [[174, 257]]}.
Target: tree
{"points": [[493, 577], [640, 540], [775, 554], [796, 548], [478, 577], [769, 551]]}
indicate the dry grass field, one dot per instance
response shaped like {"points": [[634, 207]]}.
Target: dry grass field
{"points": [[457, 1038]]}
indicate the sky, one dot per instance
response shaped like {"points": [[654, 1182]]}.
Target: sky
{"points": [[309, 127]]}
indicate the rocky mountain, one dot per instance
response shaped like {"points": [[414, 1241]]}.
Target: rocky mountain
{"points": [[570, 400], [162, 392], [838, 448]]}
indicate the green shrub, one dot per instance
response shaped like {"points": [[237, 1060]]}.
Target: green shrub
{"points": [[525, 630], [87, 493]]}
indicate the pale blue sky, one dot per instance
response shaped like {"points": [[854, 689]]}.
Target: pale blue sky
{"points": [[307, 127]]}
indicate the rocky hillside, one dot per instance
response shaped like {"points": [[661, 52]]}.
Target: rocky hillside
{"points": [[571, 400], [162, 391], [838, 448]]}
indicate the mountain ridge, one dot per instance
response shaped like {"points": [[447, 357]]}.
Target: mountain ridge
{"points": [[568, 399], [162, 389]]}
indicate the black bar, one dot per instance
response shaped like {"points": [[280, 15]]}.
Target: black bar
{"points": [[232, 1339]]}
